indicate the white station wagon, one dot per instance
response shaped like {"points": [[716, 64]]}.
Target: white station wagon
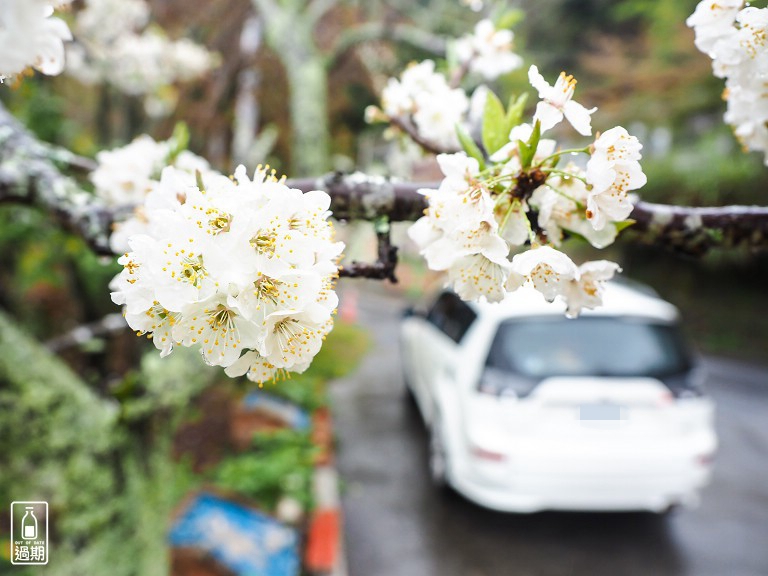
{"points": [[529, 410]]}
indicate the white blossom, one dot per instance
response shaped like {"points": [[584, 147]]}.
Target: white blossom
{"points": [[549, 270], [561, 206], [243, 268], [586, 289], [423, 97], [115, 46], [476, 276], [712, 21], [735, 38], [30, 37], [555, 275], [556, 102], [128, 176], [612, 171], [488, 52]]}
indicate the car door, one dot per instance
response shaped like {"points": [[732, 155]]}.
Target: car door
{"points": [[447, 322]]}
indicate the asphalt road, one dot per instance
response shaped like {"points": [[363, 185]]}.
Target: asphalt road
{"points": [[396, 524]]}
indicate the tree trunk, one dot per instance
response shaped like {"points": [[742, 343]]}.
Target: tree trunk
{"points": [[310, 130]]}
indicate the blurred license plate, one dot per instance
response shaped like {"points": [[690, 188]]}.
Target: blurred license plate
{"points": [[602, 412]]}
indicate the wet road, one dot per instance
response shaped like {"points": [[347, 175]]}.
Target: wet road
{"points": [[396, 524]]}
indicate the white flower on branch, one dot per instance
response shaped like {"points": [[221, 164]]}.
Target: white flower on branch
{"points": [[735, 38], [612, 171], [556, 103], [586, 290], [423, 97], [233, 266], [488, 52], [115, 46], [713, 21], [487, 206], [127, 176], [561, 206], [30, 37], [555, 275]]}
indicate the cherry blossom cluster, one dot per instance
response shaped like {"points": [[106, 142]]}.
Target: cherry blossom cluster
{"points": [[30, 37], [734, 36], [519, 192], [488, 51], [428, 103], [125, 177], [115, 45], [242, 268]]}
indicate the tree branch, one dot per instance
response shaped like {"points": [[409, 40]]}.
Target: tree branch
{"points": [[683, 229], [695, 231], [109, 324], [319, 8], [407, 127], [374, 31], [28, 176]]}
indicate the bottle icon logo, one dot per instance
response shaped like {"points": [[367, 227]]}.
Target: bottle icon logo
{"points": [[29, 532], [29, 524]]}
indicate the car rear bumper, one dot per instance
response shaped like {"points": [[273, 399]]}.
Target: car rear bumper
{"points": [[532, 483]]}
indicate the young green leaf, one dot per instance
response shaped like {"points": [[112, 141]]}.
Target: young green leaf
{"points": [[624, 224], [515, 110], [179, 141], [527, 153], [469, 146], [495, 134], [509, 19]]}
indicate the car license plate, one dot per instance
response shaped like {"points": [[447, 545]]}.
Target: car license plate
{"points": [[602, 411]]}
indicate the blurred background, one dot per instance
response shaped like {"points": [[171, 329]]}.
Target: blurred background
{"points": [[115, 440]]}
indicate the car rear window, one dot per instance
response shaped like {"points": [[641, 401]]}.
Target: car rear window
{"points": [[601, 346]]}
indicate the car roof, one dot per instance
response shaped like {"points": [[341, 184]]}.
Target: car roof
{"points": [[619, 299]]}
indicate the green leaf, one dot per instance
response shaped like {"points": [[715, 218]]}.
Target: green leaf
{"points": [[526, 154], [469, 146], [495, 134], [528, 149], [515, 110], [509, 19], [624, 225], [179, 141]]}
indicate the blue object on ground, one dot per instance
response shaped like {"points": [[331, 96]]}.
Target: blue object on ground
{"points": [[291, 414], [240, 538]]}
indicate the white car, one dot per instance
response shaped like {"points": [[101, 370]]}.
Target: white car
{"points": [[529, 410]]}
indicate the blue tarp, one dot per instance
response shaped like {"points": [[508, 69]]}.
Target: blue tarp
{"points": [[240, 538], [291, 414]]}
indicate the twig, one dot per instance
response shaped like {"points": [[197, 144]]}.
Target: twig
{"points": [[383, 268], [109, 324], [407, 127]]}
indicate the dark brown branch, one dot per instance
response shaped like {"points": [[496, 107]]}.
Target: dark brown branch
{"points": [[383, 268], [694, 231], [359, 196], [683, 229], [28, 176]]}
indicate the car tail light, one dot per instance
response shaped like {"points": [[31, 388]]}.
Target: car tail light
{"points": [[490, 455], [705, 459], [503, 383]]}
